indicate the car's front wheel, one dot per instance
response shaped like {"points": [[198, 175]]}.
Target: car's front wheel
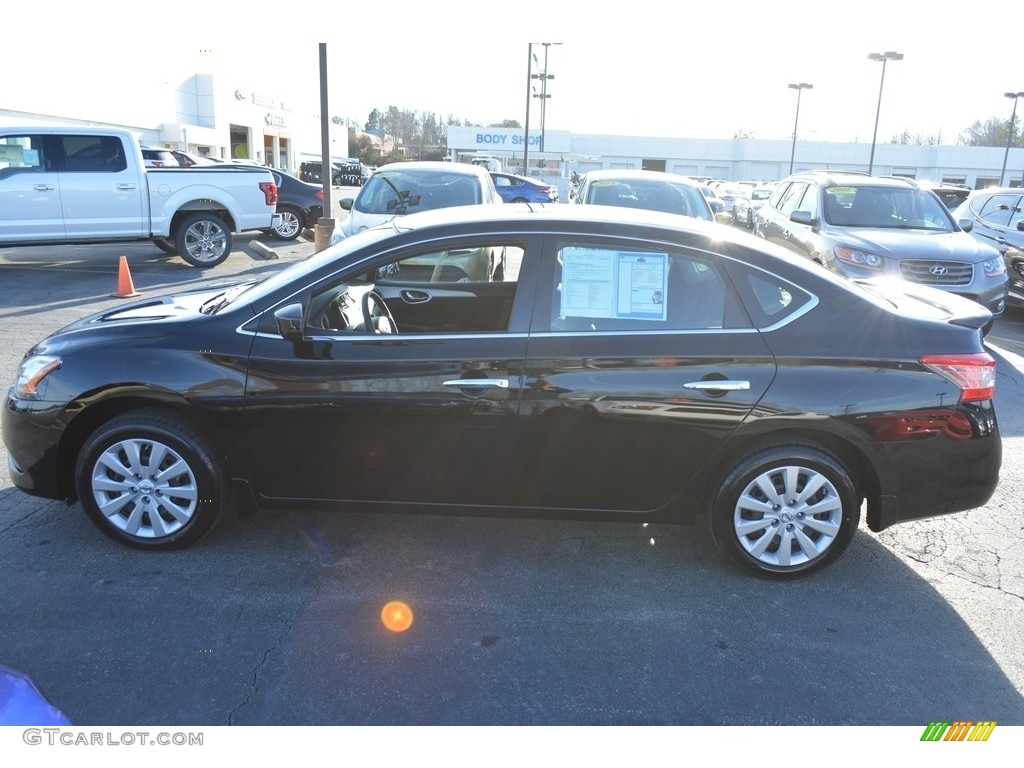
{"points": [[148, 479], [785, 510]]}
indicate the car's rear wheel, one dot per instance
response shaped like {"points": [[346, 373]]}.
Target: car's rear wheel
{"points": [[203, 239], [148, 479], [785, 510], [290, 226]]}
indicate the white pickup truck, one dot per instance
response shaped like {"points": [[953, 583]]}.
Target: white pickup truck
{"points": [[64, 184]]}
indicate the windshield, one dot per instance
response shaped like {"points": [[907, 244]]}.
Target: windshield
{"points": [[399, 192], [885, 207]]}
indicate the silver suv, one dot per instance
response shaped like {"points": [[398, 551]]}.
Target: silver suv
{"points": [[867, 227], [158, 157]]}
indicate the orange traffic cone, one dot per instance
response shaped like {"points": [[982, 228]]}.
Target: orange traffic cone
{"points": [[125, 287]]}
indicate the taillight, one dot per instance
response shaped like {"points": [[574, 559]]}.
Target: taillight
{"points": [[320, 195], [974, 374], [269, 191]]}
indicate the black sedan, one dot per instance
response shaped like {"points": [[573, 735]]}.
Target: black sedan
{"points": [[300, 205], [627, 365]]}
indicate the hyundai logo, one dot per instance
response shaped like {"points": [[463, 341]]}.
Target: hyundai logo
{"points": [[938, 270]]}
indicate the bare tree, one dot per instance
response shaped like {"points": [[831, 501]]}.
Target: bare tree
{"points": [[992, 133]]}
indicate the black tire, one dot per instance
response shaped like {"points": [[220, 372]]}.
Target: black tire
{"points": [[778, 534], [144, 504], [291, 225], [203, 239], [166, 245]]}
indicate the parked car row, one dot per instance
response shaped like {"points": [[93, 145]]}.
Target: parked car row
{"points": [[349, 173]]}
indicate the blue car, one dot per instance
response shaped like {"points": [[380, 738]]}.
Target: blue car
{"points": [[520, 189]]}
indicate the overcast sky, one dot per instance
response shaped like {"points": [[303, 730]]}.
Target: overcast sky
{"points": [[638, 68]]}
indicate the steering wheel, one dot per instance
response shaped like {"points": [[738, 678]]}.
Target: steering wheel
{"points": [[389, 326]]}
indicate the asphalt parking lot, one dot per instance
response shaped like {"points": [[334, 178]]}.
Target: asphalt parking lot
{"points": [[276, 619]]}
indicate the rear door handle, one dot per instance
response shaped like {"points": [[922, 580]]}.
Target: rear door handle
{"points": [[126, 185], [476, 383], [721, 385], [43, 187]]}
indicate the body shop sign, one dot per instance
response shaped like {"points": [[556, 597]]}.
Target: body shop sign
{"points": [[505, 140]]}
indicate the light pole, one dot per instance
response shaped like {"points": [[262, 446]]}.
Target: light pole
{"points": [[884, 58], [543, 96], [1009, 133], [798, 87], [526, 133]]}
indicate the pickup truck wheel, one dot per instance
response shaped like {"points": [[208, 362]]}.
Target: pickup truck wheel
{"points": [[291, 224], [203, 239]]}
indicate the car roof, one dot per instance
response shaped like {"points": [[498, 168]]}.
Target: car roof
{"points": [[551, 216], [853, 179], [636, 174], [436, 165]]}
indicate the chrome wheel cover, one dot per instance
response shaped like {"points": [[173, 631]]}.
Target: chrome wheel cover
{"points": [[788, 516], [289, 226], [205, 241], [144, 488]]}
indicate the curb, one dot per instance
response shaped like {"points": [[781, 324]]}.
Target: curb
{"points": [[263, 249]]}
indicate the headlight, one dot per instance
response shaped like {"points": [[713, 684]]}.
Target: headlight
{"points": [[994, 267], [857, 258], [32, 374]]}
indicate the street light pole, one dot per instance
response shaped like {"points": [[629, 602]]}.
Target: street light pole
{"points": [[1009, 133], [798, 87], [884, 58], [526, 136], [544, 95]]}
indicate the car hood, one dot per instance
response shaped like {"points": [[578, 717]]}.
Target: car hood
{"points": [[918, 244], [158, 316]]}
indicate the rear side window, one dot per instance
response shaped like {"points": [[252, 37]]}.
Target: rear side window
{"points": [[103, 154], [768, 298]]}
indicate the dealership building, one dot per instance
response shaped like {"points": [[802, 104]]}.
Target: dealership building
{"points": [[211, 116], [561, 153], [205, 116]]}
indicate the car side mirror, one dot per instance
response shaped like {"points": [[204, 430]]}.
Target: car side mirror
{"points": [[289, 322], [723, 218], [802, 217], [346, 203], [965, 224], [1020, 225]]}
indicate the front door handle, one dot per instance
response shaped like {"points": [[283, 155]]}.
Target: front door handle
{"points": [[43, 187]]}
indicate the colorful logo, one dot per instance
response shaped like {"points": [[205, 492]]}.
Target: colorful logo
{"points": [[960, 730]]}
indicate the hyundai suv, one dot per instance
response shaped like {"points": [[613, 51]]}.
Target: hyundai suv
{"points": [[868, 227]]}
